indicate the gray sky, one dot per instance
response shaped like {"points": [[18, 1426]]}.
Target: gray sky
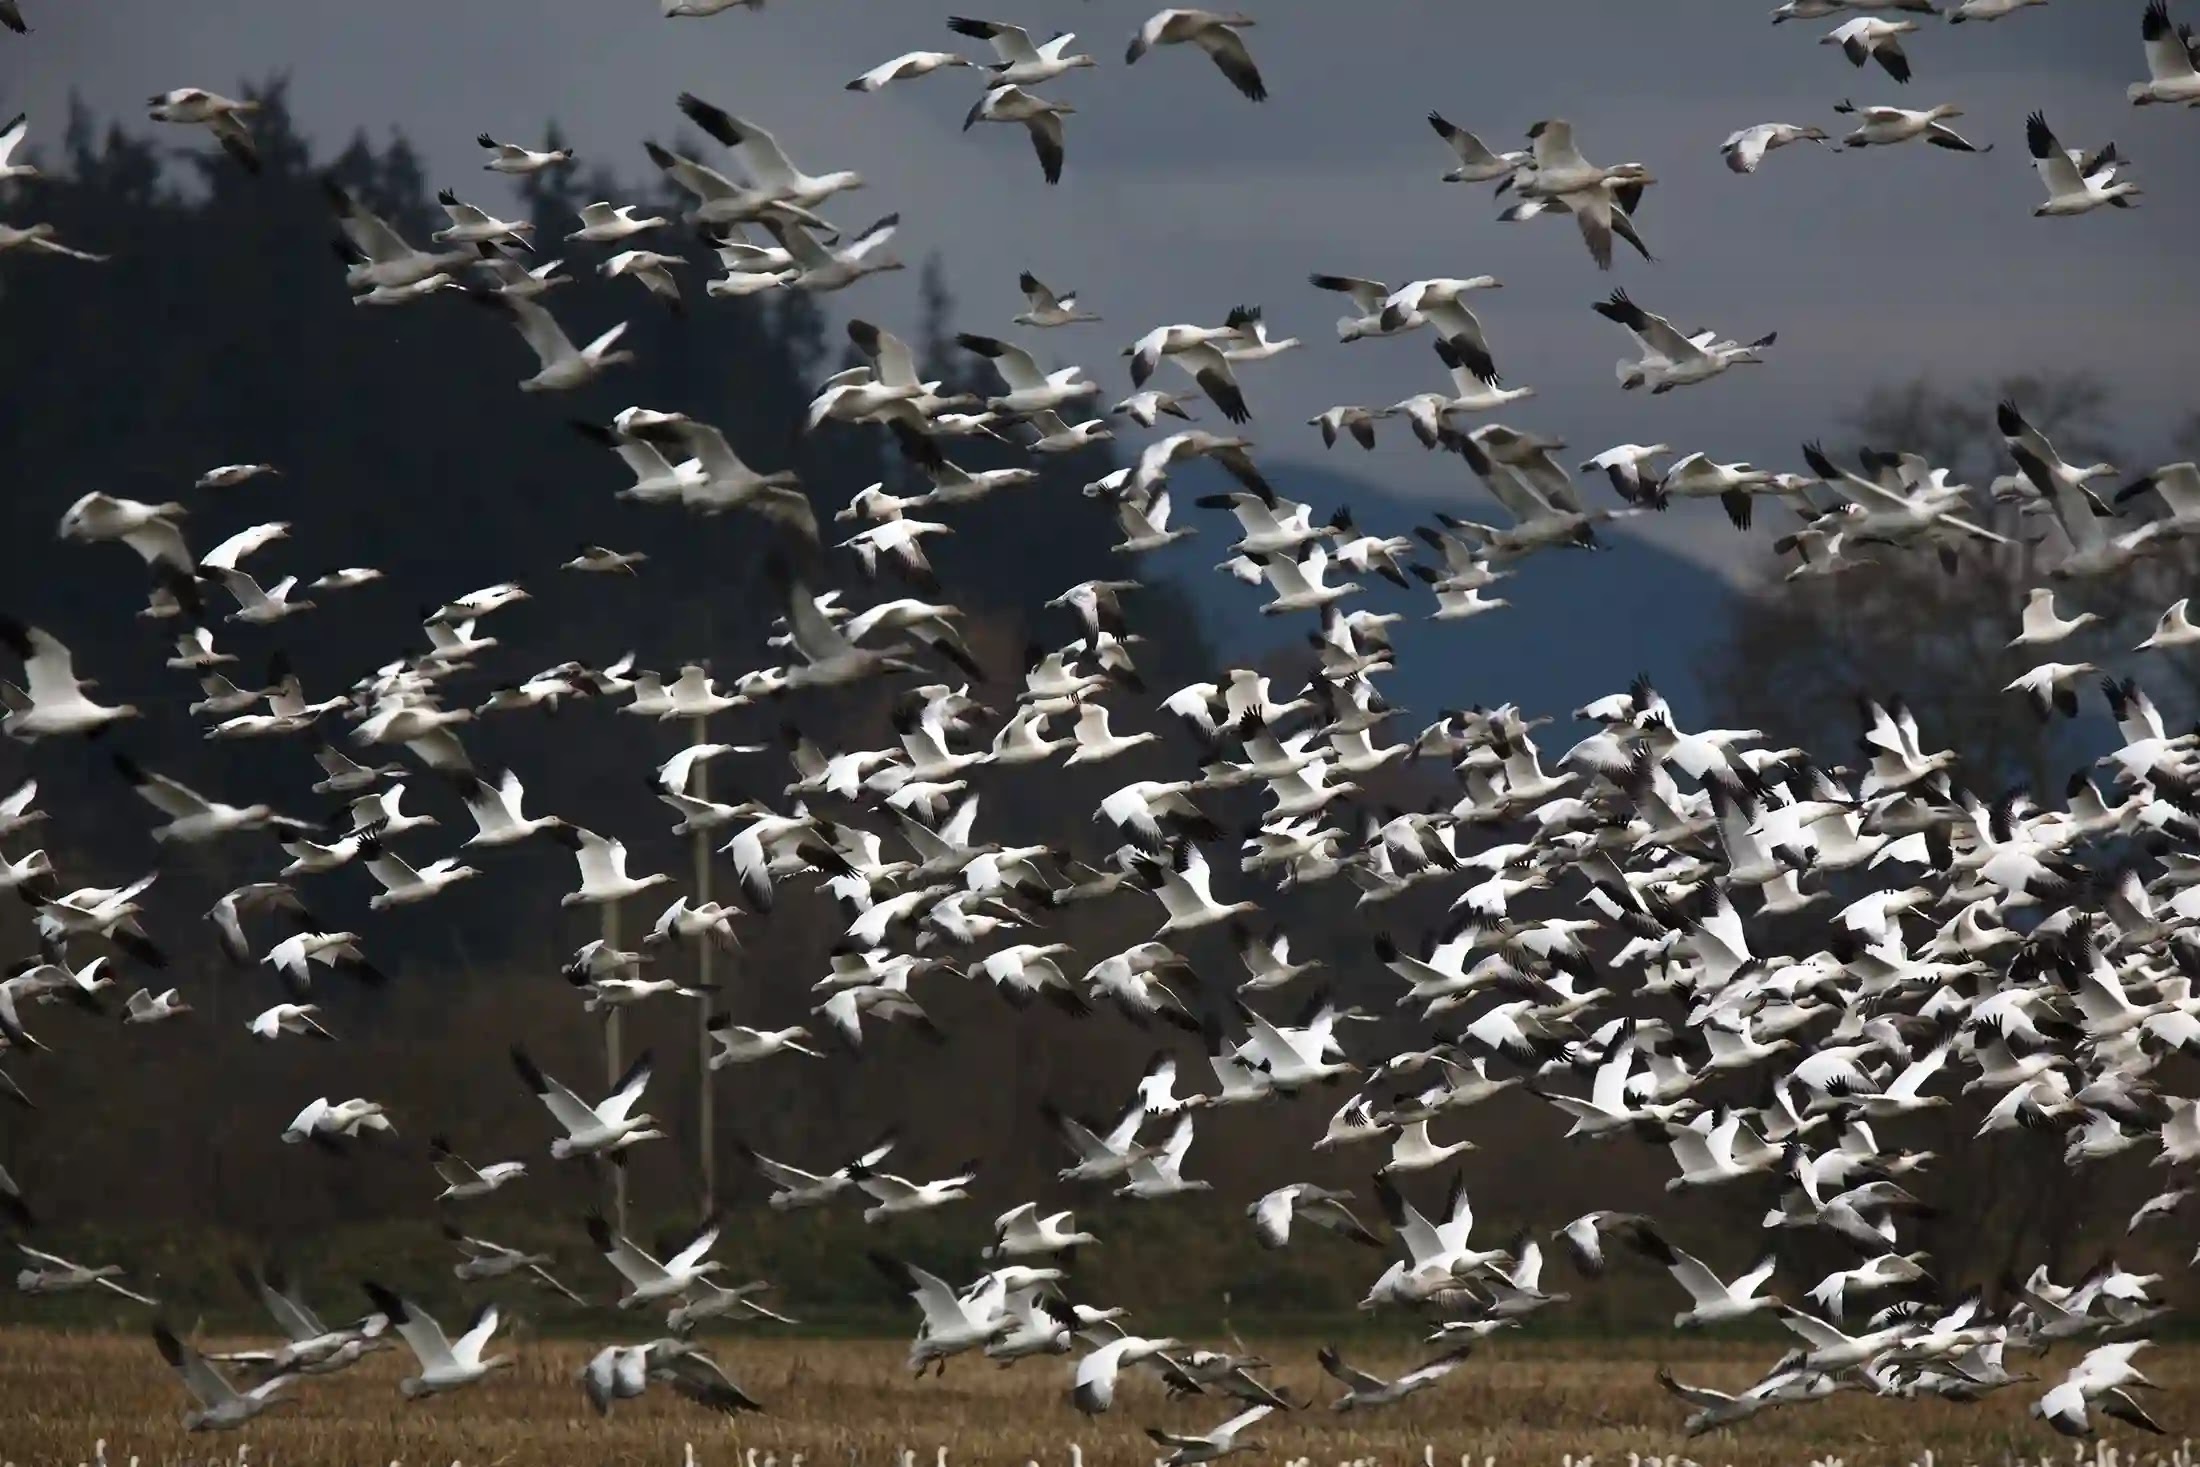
{"points": [[1180, 198]]}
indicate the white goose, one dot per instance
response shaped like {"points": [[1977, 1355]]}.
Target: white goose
{"points": [[563, 367], [1214, 32], [2173, 71], [52, 700], [603, 1129], [221, 1405], [2072, 187], [445, 1364], [648, 1281]]}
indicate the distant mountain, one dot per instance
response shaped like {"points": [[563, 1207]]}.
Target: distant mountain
{"points": [[1581, 623]]}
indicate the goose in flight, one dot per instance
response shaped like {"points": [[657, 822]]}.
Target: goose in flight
{"points": [[1669, 359], [1714, 1409], [462, 1180], [820, 269], [222, 116], [1868, 38], [1161, 1174], [45, 239], [49, 1273], [898, 1196], [651, 270], [1745, 149], [1044, 308], [192, 818], [2042, 627], [648, 1281], [1022, 1233], [2073, 187], [2099, 1382], [1216, 33], [512, 158], [1713, 1300], [11, 139], [1363, 1391], [51, 701], [602, 223], [719, 479], [445, 1364], [402, 884], [377, 255], [146, 1007], [309, 1347], [622, 1372], [1030, 390], [1101, 1156], [1820, 9], [149, 529], [562, 366], [471, 224], [952, 1324], [1439, 304], [1477, 163], [776, 177], [328, 1125], [1987, 9], [1022, 63], [1304, 1202], [1886, 126], [794, 1188], [2173, 62], [604, 1129], [905, 67], [221, 1405], [1222, 1441]]}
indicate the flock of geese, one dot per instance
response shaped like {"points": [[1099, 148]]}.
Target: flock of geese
{"points": [[2037, 949]]}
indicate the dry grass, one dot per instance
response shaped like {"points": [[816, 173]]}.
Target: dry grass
{"points": [[1527, 1404]]}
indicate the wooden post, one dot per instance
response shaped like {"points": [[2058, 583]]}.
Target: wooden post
{"points": [[613, 1024], [705, 1131]]}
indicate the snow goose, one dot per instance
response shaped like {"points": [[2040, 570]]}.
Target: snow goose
{"points": [[378, 255], [2042, 627], [328, 1124], [45, 240], [146, 1007], [1868, 38], [562, 366], [1101, 1156], [11, 139], [149, 529], [1161, 1174], [1222, 1441], [2173, 68], [1670, 359], [648, 1281], [1044, 308], [1092, 1383], [1146, 407], [52, 701], [1258, 345], [229, 476], [738, 1044], [951, 1325], [1363, 1391], [794, 1188], [602, 863], [1274, 1213], [2097, 1382], [724, 482], [907, 66], [53, 1274], [309, 1347], [402, 885], [761, 155], [1030, 390], [1715, 1302], [462, 1180], [222, 116], [192, 818], [1182, 883], [2071, 187], [512, 158], [1037, 115], [1214, 32], [473, 225], [221, 1406], [1745, 149], [1886, 126], [1477, 163], [894, 1196], [722, 206], [604, 223], [445, 1364], [1987, 9], [18, 810], [1022, 1233], [1297, 581], [603, 1129], [651, 270], [819, 269], [1021, 63], [2175, 628]]}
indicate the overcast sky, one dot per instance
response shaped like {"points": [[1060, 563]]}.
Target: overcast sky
{"points": [[1181, 198]]}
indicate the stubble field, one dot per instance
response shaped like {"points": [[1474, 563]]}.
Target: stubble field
{"points": [[839, 1402]]}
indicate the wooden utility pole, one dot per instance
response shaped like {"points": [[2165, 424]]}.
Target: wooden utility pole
{"points": [[613, 1024], [705, 1131]]}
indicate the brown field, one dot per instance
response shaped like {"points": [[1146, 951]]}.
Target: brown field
{"points": [[843, 1402]]}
